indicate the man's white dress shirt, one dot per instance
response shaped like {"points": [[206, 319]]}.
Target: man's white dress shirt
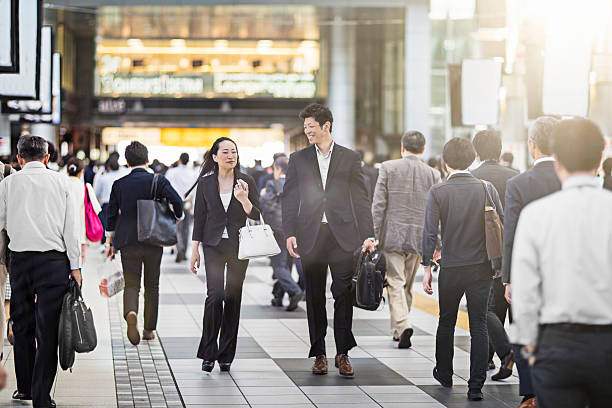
{"points": [[324, 160], [562, 260], [38, 212], [103, 184], [181, 178]]}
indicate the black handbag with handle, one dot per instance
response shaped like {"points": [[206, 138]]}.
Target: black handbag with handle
{"points": [[66, 349], [369, 279], [156, 221]]}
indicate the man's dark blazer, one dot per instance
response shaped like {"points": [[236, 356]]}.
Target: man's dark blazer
{"points": [[209, 216], [344, 199], [537, 182], [496, 174], [122, 208], [458, 204]]}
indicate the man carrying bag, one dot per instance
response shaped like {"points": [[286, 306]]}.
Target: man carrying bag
{"points": [[122, 234]]}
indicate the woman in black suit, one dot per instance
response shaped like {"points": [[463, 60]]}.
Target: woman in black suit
{"points": [[225, 197]]}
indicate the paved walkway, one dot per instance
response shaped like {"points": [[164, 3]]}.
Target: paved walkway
{"points": [[271, 368]]}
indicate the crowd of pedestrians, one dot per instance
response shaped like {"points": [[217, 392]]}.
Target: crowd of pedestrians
{"points": [[550, 279]]}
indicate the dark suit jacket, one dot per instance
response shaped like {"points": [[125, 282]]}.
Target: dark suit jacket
{"points": [[122, 208], [344, 200], [458, 205], [537, 182], [210, 218], [497, 175]]}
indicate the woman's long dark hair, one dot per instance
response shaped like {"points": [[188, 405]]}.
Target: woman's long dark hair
{"points": [[210, 165]]}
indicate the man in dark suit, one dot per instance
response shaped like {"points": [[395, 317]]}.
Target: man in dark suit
{"points": [[122, 235], [457, 206], [537, 182], [488, 145], [326, 217]]}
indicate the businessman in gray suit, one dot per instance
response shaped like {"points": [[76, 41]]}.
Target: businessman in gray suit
{"points": [[398, 211]]}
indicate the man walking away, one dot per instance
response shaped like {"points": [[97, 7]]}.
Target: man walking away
{"points": [[488, 145], [537, 182], [270, 202], [182, 178], [45, 252], [398, 212], [562, 280], [458, 204]]}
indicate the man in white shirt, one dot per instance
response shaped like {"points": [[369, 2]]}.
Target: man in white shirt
{"points": [[562, 277], [45, 252], [182, 178]]}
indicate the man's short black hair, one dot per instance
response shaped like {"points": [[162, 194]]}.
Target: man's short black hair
{"points": [[413, 141], [32, 147], [488, 144], [458, 153], [136, 154], [184, 158], [320, 113], [282, 163], [507, 157], [277, 155], [578, 144]]}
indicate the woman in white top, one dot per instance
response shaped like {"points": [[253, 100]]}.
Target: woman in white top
{"points": [[75, 168]]}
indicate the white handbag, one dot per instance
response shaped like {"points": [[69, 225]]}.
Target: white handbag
{"points": [[256, 241]]}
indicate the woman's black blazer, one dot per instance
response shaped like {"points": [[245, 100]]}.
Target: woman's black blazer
{"points": [[210, 218]]}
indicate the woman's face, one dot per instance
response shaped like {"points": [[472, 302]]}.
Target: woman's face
{"points": [[227, 155]]}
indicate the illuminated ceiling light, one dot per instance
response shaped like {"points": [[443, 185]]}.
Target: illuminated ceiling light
{"points": [[177, 43], [263, 44], [221, 44], [135, 43], [184, 63]]}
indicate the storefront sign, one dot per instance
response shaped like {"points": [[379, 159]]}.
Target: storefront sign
{"points": [[116, 84], [275, 85], [113, 106]]}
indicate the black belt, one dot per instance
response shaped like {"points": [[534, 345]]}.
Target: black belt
{"points": [[577, 327]]}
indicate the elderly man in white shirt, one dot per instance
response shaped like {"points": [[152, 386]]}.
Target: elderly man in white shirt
{"points": [[182, 178], [562, 277], [39, 216]]}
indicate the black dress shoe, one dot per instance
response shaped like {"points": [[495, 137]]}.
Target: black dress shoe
{"points": [[21, 396], [208, 366], [52, 404], [404, 340], [475, 395], [438, 377], [277, 302], [225, 366], [505, 369], [294, 300]]}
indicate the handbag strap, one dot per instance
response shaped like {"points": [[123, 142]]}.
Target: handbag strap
{"points": [[488, 199], [261, 220], [154, 186]]}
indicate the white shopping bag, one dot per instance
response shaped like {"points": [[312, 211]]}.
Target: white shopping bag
{"points": [[111, 278]]}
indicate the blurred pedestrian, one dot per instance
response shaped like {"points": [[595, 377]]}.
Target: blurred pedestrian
{"points": [[398, 212], [607, 170], [225, 197], [370, 173], [75, 169], [103, 184], [457, 205], [283, 262], [44, 255], [5, 286], [182, 178], [537, 182], [122, 235], [561, 280], [506, 160]]}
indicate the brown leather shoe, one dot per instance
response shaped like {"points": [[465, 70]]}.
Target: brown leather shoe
{"points": [[320, 365], [132, 328], [344, 366], [148, 335], [530, 403]]}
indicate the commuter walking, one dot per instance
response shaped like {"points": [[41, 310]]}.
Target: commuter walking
{"points": [[537, 182], [225, 197], [283, 262], [561, 280], [488, 145], [5, 286], [75, 169], [44, 256], [181, 178], [607, 170], [122, 236], [457, 204], [321, 229], [103, 184], [398, 212], [506, 160]]}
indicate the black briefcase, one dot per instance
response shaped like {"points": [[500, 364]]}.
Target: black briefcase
{"points": [[368, 280], [77, 332], [156, 221], [66, 349]]}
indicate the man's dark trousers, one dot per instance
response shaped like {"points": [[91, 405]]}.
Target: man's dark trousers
{"points": [[38, 281], [133, 257], [326, 253], [496, 316], [453, 282], [572, 367]]}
